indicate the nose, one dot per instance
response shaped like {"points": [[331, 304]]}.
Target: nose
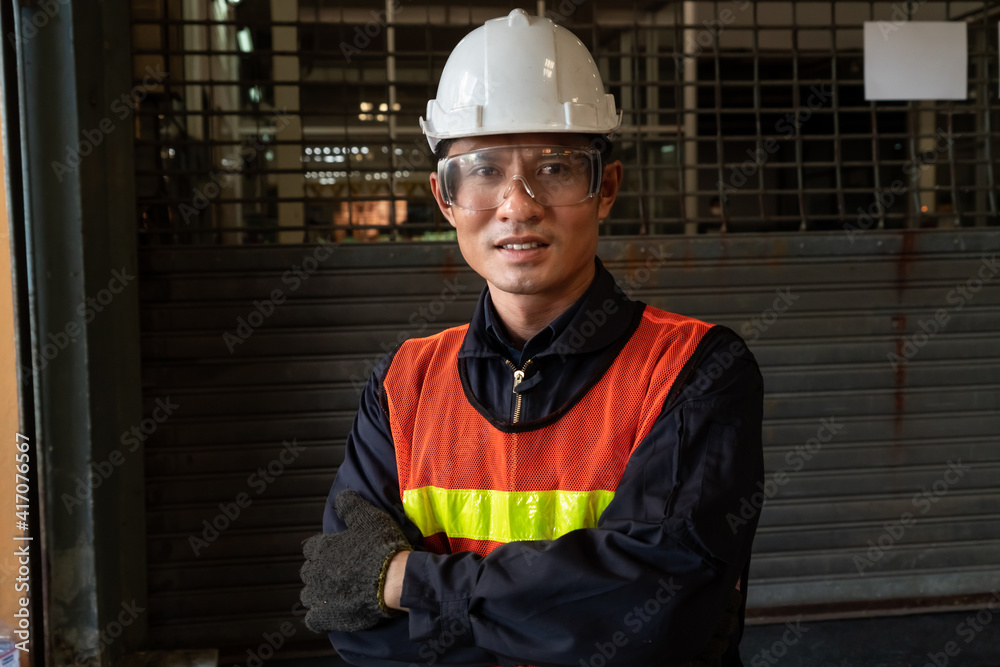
{"points": [[519, 203]]}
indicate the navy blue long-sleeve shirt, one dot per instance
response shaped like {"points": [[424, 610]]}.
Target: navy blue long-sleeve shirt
{"points": [[649, 583]]}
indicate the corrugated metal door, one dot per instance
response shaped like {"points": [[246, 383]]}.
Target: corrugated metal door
{"points": [[280, 122], [856, 439], [264, 417]]}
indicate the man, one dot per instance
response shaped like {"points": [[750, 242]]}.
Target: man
{"points": [[550, 484]]}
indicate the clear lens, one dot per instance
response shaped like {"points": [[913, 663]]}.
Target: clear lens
{"points": [[552, 175]]}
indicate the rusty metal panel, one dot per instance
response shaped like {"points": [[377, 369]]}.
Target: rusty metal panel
{"points": [[867, 408]]}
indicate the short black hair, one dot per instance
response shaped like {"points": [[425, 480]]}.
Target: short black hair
{"points": [[441, 150], [603, 145]]}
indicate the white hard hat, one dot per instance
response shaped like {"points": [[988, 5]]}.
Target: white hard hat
{"points": [[519, 73]]}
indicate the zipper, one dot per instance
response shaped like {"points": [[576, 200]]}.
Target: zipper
{"points": [[518, 377]]}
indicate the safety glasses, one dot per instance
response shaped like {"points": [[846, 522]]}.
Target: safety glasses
{"points": [[551, 175]]}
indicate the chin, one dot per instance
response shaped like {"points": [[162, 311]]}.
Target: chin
{"points": [[517, 284]]}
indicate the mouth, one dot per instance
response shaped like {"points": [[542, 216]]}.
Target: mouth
{"points": [[522, 246], [521, 243]]}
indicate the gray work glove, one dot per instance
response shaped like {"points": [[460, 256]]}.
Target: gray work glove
{"points": [[344, 573]]}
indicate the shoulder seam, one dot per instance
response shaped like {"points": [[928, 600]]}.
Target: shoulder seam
{"points": [[681, 380]]}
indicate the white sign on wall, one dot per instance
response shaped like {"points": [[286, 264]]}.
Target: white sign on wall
{"points": [[916, 60]]}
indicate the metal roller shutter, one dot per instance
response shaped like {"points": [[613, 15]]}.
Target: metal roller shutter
{"points": [[294, 380], [850, 305]]}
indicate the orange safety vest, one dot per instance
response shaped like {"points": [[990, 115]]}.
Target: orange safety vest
{"points": [[471, 486]]}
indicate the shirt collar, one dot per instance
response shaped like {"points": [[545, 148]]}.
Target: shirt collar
{"points": [[595, 320], [540, 341]]}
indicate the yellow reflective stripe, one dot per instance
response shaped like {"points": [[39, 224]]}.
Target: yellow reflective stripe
{"points": [[503, 516]]}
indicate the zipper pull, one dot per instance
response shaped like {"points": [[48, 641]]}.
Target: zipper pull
{"points": [[518, 376]]}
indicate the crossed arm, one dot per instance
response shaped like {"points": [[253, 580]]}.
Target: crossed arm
{"points": [[650, 581]]}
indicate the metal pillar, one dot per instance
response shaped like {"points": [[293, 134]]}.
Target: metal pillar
{"points": [[77, 173], [690, 147], [286, 101]]}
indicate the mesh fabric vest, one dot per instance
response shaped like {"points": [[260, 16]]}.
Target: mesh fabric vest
{"points": [[472, 486]]}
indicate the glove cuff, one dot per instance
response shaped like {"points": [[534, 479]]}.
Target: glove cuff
{"points": [[387, 611]]}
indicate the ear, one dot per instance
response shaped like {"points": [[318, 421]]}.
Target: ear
{"points": [[610, 184], [446, 209]]}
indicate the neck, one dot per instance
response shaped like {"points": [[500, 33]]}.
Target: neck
{"points": [[524, 315]]}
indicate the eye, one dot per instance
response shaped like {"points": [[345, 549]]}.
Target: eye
{"points": [[554, 169], [484, 171]]}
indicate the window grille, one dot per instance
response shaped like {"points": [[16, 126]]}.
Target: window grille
{"points": [[286, 121]]}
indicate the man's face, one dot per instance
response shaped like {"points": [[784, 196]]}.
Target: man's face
{"points": [[566, 235]]}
